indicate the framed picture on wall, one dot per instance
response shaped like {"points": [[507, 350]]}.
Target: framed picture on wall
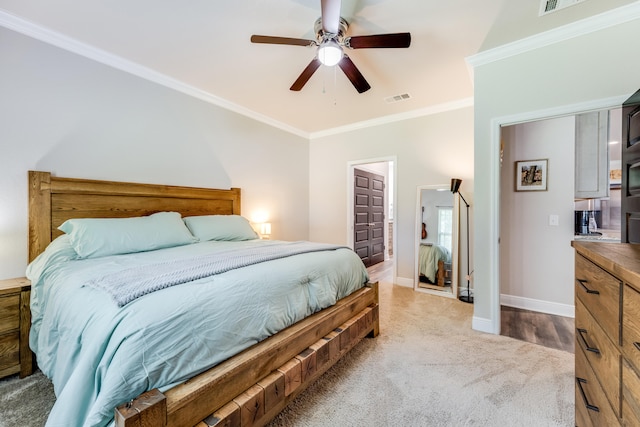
{"points": [[531, 175]]}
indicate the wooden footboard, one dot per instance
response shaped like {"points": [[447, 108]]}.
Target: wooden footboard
{"points": [[440, 274], [252, 387]]}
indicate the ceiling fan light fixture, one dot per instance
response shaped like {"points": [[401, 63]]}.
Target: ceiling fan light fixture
{"points": [[329, 53]]}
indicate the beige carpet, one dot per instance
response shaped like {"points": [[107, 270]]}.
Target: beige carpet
{"points": [[427, 368]]}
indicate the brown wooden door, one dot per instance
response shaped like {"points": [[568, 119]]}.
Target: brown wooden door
{"points": [[368, 239]]}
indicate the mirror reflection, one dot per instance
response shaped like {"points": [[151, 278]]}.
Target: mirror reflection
{"points": [[436, 242]]}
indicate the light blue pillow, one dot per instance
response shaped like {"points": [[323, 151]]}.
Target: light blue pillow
{"points": [[58, 251], [97, 237], [220, 227]]}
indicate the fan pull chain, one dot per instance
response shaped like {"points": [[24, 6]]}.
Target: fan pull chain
{"points": [[335, 85]]}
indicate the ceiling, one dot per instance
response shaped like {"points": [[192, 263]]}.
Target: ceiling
{"points": [[202, 47]]}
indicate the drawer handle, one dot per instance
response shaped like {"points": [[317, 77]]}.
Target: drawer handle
{"points": [[584, 341], [580, 381], [589, 291]]}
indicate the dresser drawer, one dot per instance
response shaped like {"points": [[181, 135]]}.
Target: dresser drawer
{"points": [[591, 396], [631, 325], [582, 415], [630, 395], [602, 354], [15, 321], [9, 353], [9, 313], [600, 293]]}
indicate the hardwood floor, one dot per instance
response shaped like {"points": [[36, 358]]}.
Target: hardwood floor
{"points": [[531, 326], [381, 272], [539, 328]]}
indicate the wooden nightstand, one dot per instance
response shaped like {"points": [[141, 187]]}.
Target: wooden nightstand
{"points": [[15, 321]]}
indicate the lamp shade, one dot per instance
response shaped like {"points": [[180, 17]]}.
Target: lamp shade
{"points": [[265, 228], [455, 184]]}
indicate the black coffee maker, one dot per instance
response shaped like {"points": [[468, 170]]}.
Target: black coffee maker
{"points": [[586, 223]]}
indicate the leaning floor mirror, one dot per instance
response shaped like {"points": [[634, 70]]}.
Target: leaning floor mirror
{"points": [[436, 242]]}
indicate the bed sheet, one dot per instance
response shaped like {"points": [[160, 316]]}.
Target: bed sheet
{"points": [[429, 255], [99, 355]]}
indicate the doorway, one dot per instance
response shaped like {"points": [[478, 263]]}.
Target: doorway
{"points": [[369, 216], [384, 167], [538, 227]]}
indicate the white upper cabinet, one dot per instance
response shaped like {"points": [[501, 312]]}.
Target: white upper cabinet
{"points": [[592, 155]]}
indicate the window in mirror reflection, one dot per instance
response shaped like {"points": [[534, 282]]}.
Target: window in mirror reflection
{"points": [[445, 225]]}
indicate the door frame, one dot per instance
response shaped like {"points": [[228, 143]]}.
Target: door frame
{"points": [[353, 164], [492, 325], [376, 216]]}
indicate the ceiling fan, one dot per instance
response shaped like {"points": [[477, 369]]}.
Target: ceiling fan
{"points": [[330, 30]]}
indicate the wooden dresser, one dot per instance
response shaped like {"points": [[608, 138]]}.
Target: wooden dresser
{"points": [[15, 321], [607, 347]]}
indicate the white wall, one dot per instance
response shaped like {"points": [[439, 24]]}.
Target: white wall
{"points": [[536, 259], [590, 71], [429, 150], [72, 116]]}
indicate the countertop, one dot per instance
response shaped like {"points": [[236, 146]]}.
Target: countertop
{"points": [[612, 236], [620, 259]]}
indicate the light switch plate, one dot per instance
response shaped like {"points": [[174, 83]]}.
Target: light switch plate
{"points": [[554, 220]]}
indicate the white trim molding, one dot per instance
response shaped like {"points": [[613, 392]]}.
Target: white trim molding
{"points": [[33, 30], [548, 307], [562, 110], [435, 109], [492, 324], [351, 166], [484, 325], [70, 44], [404, 281], [595, 23]]}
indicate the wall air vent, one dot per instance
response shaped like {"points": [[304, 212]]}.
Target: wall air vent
{"points": [[548, 6], [397, 98]]}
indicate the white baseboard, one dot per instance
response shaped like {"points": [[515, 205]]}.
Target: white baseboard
{"points": [[404, 281], [548, 307], [484, 325]]}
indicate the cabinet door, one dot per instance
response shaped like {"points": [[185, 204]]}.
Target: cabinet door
{"points": [[630, 209], [592, 155]]}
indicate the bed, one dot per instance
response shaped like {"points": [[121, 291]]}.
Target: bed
{"points": [[432, 264], [244, 383]]}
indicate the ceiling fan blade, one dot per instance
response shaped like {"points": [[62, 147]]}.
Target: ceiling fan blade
{"points": [[306, 75], [379, 40], [331, 15], [282, 40], [353, 74]]}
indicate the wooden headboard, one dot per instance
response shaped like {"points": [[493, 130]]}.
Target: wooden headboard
{"points": [[53, 200]]}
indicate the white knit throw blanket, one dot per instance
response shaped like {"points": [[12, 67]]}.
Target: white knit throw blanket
{"points": [[126, 285]]}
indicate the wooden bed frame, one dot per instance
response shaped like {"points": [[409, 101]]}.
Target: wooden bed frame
{"points": [[441, 274], [248, 389]]}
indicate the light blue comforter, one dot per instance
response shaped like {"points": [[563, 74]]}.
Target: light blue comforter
{"points": [[429, 255], [99, 355]]}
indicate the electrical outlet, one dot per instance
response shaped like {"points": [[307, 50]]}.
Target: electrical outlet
{"points": [[554, 220]]}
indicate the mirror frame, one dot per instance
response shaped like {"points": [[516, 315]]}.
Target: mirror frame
{"points": [[455, 243]]}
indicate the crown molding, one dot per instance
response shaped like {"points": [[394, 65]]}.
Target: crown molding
{"points": [[561, 111], [33, 30], [435, 109], [57, 39], [585, 26]]}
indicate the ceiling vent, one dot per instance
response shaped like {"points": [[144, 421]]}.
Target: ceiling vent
{"points": [[397, 98], [548, 6]]}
